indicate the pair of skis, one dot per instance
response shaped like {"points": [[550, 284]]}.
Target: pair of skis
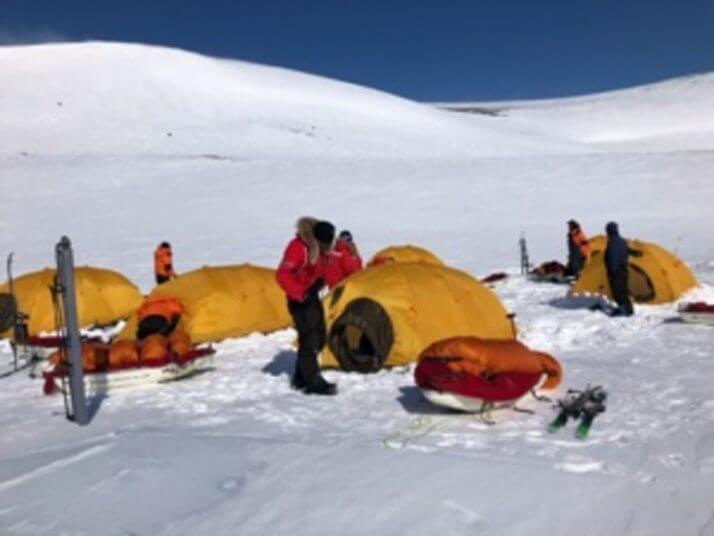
{"points": [[582, 406]]}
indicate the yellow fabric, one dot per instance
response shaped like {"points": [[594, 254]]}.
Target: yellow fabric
{"points": [[406, 253], [597, 243], [659, 270], [103, 297], [425, 303], [224, 301]]}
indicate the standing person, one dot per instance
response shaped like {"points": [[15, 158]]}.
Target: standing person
{"points": [[163, 263], [301, 274], [344, 259], [578, 248], [616, 262]]}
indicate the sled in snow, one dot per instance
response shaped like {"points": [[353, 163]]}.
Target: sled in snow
{"points": [[471, 374], [697, 313], [550, 272], [494, 278], [33, 352], [170, 368]]}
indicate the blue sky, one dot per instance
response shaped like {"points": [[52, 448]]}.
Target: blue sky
{"points": [[425, 50]]}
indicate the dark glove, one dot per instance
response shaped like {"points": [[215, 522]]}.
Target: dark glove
{"points": [[319, 283], [314, 290]]}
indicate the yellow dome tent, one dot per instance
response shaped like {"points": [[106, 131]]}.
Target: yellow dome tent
{"points": [[387, 315], [224, 301], [655, 277], [406, 253], [103, 297]]}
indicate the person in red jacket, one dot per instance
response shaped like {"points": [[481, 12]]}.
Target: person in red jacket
{"points": [[301, 274], [344, 260]]}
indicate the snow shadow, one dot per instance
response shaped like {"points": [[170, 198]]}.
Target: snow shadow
{"points": [[413, 401], [283, 363], [94, 403], [575, 302], [676, 320]]}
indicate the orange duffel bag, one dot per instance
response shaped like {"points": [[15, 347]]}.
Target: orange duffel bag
{"points": [[123, 354], [180, 343], [154, 349], [94, 356]]}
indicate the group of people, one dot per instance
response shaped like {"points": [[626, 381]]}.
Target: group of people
{"points": [[315, 258], [617, 254], [312, 260]]}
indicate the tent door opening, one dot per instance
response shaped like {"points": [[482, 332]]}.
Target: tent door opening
{"points": [[362, 337], [640, 285]]}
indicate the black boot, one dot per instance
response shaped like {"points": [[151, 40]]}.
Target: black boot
{"points": [[298, 382], [320, 386]]}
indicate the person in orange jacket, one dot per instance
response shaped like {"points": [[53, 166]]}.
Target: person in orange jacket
{"points": [[158, 314], [578, 248], [163, 263]]}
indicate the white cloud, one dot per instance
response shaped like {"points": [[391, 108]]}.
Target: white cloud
{"points": [[28, 36]]}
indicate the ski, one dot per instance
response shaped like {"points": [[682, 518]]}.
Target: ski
{"points": [[559, 422], [594, 405], [583, 406], [583, 428]]}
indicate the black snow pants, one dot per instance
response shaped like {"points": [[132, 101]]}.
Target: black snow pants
{"points": [[309, 320], [620, 292]]}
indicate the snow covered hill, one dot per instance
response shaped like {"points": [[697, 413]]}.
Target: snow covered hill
{"points": [[101, 97], [671, 115], [122, 146]]}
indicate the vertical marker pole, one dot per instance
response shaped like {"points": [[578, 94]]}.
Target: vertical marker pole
{"points": [[525, 261], [11, 288], [65, 275]]}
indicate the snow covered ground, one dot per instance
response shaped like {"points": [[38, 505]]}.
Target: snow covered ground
{"points": [[85, 150]]}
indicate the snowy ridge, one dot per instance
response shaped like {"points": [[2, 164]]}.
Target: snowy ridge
{"points": [[108, 97], [677, 113]]}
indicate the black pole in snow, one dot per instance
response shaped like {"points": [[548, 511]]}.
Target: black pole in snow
{"points": [[525, 261], [65, 276]]}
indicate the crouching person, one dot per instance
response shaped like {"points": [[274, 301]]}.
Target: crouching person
{"points": [[158, 315], [301, 274]]}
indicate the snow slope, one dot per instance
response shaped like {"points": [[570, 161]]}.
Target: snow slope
{"points": [[235, 451], [93, 98], [671, 115]]}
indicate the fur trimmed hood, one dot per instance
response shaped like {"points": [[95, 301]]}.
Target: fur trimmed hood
{"points": [[305, 232]]}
